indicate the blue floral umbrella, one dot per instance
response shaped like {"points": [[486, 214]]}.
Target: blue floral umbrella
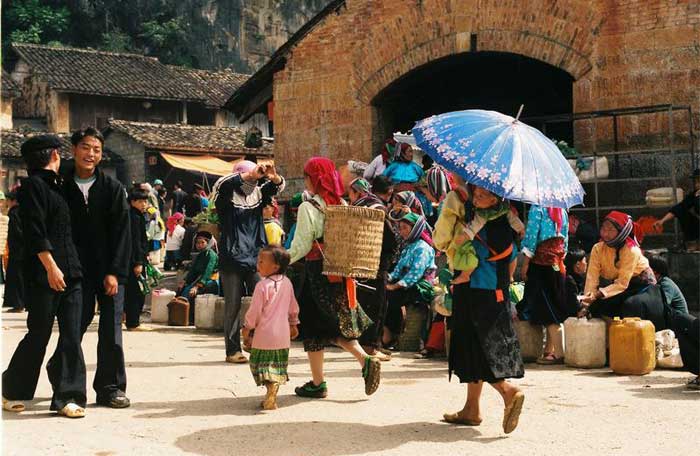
{"points": [[502, 155]]}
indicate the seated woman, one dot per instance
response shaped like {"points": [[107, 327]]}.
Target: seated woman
{"points": [[201, 278], [408, 282], [403, 171], [618, 260]]}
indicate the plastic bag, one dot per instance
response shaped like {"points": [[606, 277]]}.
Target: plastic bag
{"points": [[668, 355]]}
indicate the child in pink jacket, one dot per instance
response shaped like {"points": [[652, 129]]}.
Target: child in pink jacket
{"points": [[271, 322]]}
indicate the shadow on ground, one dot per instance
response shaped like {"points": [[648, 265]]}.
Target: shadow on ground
{"points": [[329, 439]]}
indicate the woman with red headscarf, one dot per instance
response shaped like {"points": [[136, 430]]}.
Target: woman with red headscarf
{"points": [[619, 281], [327, 314]]}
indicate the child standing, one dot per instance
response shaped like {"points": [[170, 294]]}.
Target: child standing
{"points": [[173, 243], [133, 298], [271, 322], [273, 227]]}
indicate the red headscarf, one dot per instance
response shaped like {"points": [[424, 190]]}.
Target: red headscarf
{"points": [[173, 221], [555, 213], [629, 231], [325, 179]]}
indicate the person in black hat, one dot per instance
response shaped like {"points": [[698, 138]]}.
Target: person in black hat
{"points": [[14, 286], [688, 214], [53, 273], [100, 216]]}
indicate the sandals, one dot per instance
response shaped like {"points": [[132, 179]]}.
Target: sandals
{"points": [[72, 410], [456, 418], [511, 414], [693, 384], [237, 358], [12, 406], [548, 359], [371, 373]]}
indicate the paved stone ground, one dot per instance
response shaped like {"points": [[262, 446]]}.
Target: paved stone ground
{"points": [[186, 400]]}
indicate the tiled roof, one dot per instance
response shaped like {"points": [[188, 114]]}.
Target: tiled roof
{"points": [[108, 73], [189, 138], [9, 87], [12, 141], [218, 86]]}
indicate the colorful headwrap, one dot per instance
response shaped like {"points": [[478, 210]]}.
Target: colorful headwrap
{"points": [[438, 182], [420, 225], [275, 208], [388, 150], [173, 221], [409, 199], [296, 201], [325, 179], [360, 185], [627, 230]]}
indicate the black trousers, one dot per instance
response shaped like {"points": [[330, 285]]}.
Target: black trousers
{"points": [[14, 285], [110, 375], [133, 302], [66, 368], [687, 329]]}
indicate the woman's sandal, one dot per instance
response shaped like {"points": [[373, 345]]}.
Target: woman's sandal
{"points": [[456, 418], [12, 406], [548, 359], [511, 414], [372, 374], [72, 410]]}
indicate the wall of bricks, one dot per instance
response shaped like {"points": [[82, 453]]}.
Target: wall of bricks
{"points": [[621, 53]]}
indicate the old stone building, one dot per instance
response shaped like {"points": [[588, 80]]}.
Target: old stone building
{"points": [[362, 69], [10, 91], [70, 88], [148, 150]]}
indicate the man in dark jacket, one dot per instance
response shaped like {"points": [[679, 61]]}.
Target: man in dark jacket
{"points": [[100, 222], [239, 199], [193, 201], [53, 273], [177, 198], [138, 199], [14, 286]]}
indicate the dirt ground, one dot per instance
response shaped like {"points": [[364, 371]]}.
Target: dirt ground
{"points": [[186, 400]]}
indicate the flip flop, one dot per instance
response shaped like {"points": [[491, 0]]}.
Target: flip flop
{"points": [[72, 410], [456, 418], [511, 414], [12, 406]]}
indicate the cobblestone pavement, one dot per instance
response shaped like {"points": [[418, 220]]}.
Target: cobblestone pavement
{"points": [[186, 400]]}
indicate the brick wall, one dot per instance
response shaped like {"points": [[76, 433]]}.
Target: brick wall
{"points": [[620, 53]]}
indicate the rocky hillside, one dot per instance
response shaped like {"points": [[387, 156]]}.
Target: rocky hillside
{"points": [[209, 34]]}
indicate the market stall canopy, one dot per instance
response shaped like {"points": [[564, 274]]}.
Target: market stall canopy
{"points": [[199, 163]]}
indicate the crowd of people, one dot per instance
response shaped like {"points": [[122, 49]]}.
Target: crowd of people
{"points": [[85, 241]]}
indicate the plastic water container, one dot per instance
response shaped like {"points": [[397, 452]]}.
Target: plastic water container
{"points": [[632, 346], [208, 312], [585, 342], [159, 305], [531, 339], [179, 312]]}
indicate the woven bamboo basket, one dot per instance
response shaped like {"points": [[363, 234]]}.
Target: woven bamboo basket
{"points": [[352, 239]]}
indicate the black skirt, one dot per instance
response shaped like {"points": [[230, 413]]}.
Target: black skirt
{"points": [[544, 300], [483, 345], [324, 311]]}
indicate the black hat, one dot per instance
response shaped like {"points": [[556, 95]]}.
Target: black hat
{"points": [[40, 142], [204, 234]]}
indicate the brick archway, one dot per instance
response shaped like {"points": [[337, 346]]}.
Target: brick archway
{"points": [[522, 42]]}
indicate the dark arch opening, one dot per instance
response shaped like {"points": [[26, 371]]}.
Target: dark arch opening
{"points": [[477, 80]]}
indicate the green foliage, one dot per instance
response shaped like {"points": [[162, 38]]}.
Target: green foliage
{"points": [[30, 21], [167, 39], [116, 41]]}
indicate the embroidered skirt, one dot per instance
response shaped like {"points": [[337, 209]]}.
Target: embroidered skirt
{"points": [[324, 311], [269, 365], [483, 345]]}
